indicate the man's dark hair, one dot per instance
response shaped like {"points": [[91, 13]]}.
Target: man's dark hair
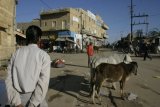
{"points": [[33, 34]]}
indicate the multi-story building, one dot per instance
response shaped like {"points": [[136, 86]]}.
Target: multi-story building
{"points": [[7, 22], [73, 23], [70, 24]]}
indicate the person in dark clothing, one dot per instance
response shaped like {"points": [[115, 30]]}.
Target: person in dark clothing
{"points": [[146, 54]]}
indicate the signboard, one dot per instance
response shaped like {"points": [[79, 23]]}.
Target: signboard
{"points": [[66, 34], [75, 19]]}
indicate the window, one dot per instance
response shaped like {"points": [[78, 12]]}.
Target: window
{"points": [[72, 22], [64, 24], [54, 24], [45, 23], [83, 22]]}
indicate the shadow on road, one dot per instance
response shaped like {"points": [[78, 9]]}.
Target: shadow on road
{"points": [[112, 99], [156, 57], [76, 65], [68, 84], [148, 88]]}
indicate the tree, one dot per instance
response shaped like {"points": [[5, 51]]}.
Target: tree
{"points": [[154, 32]]}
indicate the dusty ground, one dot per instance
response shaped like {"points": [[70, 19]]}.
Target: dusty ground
{"points": [[69, 86]]}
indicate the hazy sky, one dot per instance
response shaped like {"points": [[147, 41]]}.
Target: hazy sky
{"points": [[115, 13]]}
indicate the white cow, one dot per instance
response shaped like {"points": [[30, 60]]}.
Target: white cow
{"points": [[113, 59]]}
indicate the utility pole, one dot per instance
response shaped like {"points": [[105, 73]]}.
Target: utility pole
{"points": [[142, 23], [82, 28], [131, 20], [137, 16]]}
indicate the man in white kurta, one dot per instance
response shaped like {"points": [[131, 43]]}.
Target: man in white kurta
{"points": [[28, 74]]}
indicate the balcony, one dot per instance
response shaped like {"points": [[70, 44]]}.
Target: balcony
{"points": [[104, 26], [105, 36], [85, 31], [54, 11], [48, 29], [45, 29]]}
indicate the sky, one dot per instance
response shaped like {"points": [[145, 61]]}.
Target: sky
{"points": [[115, 13]]}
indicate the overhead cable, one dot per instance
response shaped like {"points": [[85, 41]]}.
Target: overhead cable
{"points": [[45, 4]]}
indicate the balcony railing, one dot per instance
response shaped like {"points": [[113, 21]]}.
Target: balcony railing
{"points": [[87, 32], [53, 29], [84, 31], [48, 29], [54, 11]]}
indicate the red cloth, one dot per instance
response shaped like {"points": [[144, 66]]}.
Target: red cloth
{"points": [[90, 50]]}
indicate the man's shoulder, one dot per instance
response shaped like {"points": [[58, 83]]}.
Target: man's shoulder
{"points": [[44, 53]]}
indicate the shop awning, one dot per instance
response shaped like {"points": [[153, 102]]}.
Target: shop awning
{"points": [[64, 39], [60, 39], [69, 40]]}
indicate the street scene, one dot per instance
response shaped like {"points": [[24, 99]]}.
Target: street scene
{"points": [[79, 53], [69, 86]]}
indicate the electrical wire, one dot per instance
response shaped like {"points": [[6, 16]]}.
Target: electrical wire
{"points": [[155, 14], [45, 4]]}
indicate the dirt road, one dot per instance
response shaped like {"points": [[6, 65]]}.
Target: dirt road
{"points": [[69, 86]]}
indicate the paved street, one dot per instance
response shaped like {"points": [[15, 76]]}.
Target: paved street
{"points": [[69, 85]]}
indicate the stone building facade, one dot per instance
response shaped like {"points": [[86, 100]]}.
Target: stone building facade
{"points": [[23, 26], [73, 19], [77, 25], [72, 22], [7, 23]]}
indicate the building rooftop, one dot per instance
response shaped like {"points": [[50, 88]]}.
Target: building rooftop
{"points": [[52, 11]]}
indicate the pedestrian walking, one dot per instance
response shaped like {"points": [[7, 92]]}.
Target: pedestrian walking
{"points": [[146, 53], [90, 52], [131, 50], [28, 73]]}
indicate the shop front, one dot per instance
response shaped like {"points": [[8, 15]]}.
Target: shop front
{"points": [[65, 41]]}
